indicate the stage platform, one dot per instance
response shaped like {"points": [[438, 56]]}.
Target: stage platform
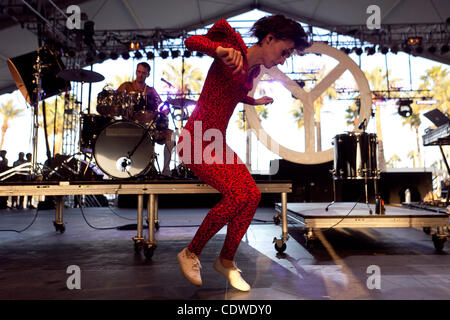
{"points": [[152, 188], [314, 216], [34, 262]]}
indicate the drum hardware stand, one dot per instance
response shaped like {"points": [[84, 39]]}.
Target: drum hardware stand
{"points": [[31, 168], [366, 192], [333, 172]]}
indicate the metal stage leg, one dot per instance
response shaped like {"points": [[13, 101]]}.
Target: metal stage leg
{"points": [[285, 234], [152, 207], [280, 244], [58, 223], [156, 213], [139, 239]]}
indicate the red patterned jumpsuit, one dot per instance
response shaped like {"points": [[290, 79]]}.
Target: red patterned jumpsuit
{"points": [[221, 93]]}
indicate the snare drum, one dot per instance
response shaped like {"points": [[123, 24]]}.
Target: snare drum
{"points": [[145, 117]]}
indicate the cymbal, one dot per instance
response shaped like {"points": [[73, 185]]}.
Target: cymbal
{"points": [[81, 75], [181, 102]]}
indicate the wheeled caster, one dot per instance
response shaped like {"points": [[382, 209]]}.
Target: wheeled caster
{"points": [[280, 246], [157, 225], [149, 250], [438, 242], [59, 226], [427, 230], [310, 239], [277, 220], [310, 244], [280, 249], [137, 246]]}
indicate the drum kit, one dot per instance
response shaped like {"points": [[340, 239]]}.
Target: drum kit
{"points": [[121, 137]]}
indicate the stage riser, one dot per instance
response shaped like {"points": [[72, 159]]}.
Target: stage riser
{"points": [[313, 183]]}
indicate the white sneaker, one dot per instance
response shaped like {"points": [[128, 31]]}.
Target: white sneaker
{"points": [[190, 266], [233, 275]]}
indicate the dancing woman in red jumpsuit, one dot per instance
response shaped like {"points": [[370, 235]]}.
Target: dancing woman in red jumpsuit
{"points": [[228, 82]]}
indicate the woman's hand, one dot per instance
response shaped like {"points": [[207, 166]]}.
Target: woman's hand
{"points": [[263, 100], [232, 58]]}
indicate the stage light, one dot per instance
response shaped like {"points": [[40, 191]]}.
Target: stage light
{"points": [[175, 53], [134, 46], [187, 54], [199, 54], [358, 51], [394, 49], [88, 33], [384, 50], [414, 41], [432, 49], [125, 55], [404, 107], [300, 83], [138, 55], [345, 50], [370, 50], [101, 55], [444, 49], [164, 54], [114, 55], [406, 48], [89, 58], [150, 55]]}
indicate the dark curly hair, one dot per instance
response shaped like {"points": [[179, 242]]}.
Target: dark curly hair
{"points": [[283, 29]]}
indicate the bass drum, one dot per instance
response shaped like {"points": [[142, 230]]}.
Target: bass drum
{"points": [[124, 149]]}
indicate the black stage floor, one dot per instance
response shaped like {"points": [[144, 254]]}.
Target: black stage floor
{"points": [[34, 263]]}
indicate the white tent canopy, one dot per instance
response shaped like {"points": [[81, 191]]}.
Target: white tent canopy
{"points": [[17, 38]]}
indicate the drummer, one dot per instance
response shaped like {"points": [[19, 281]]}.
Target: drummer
{"points": [[163, 134]]}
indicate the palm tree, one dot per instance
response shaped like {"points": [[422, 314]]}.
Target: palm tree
{"points": [[352, 112], [118, 81], [437, 80], [414, 123], [377, 80], [9, 112], [392, 162], [412, 155], [187, 82], [54, 126], [297, 113]]}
